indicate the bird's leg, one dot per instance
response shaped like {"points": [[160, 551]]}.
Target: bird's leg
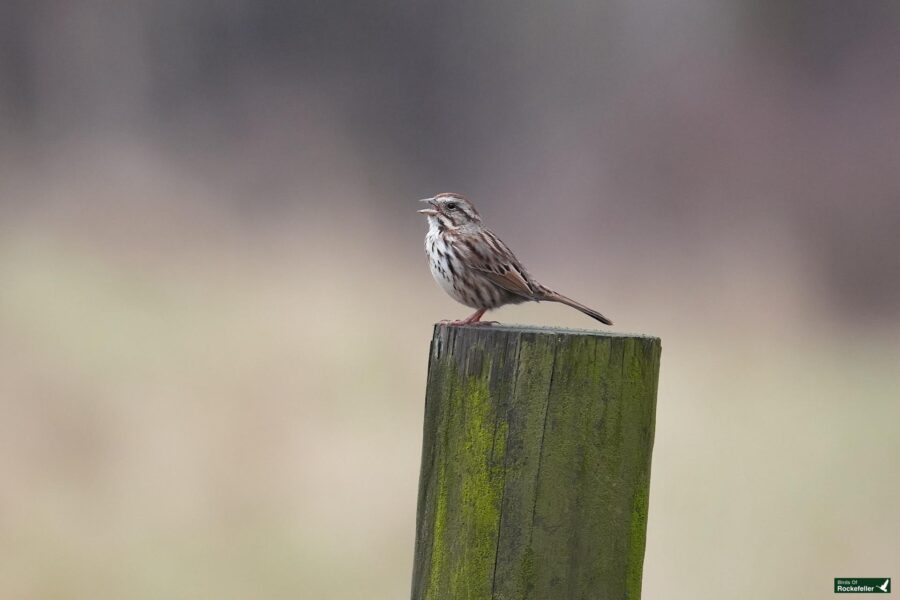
{"points": [[475, 316]]}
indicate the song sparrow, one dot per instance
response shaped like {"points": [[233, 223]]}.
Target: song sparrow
{"points": [[474, 267]]}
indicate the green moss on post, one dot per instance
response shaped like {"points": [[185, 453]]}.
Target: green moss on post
{"points": [[535, 464]]}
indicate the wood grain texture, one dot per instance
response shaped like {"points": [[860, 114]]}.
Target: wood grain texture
{"points": [[535, 464]]}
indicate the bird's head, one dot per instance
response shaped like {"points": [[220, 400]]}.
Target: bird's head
{"points": [[451, 210]]}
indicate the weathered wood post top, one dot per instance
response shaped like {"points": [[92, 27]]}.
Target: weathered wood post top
{"points": [[535, 464]]}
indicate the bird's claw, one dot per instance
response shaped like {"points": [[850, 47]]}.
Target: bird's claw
{"points": [[465, 322]]}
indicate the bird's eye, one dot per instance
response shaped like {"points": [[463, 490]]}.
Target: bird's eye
{"points": [[451, 206]]}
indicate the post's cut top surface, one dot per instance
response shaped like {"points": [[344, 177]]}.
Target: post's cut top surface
{"points": [[541, 330]]}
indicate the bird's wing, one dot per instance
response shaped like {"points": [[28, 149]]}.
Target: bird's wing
{"points": [[487, 254]]}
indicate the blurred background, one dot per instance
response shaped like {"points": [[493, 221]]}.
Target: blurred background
{"points": [[215, 308]]}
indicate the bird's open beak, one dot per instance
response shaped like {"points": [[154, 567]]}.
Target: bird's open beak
{"points": [[428, 211]]}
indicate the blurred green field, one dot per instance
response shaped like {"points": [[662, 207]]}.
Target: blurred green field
{"points": [[231, 422]]}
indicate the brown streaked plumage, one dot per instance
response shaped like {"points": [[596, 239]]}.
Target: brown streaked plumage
{"points": [[475, 267]]}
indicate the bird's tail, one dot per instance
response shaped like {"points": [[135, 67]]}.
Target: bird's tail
{"points": [[552, 296]]}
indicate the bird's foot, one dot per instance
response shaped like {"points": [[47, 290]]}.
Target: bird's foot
{"points": [[479, 323], [473, 319], [466, 322]]}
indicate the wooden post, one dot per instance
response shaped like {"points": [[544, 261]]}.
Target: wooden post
{"points": [[535, 464]]}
